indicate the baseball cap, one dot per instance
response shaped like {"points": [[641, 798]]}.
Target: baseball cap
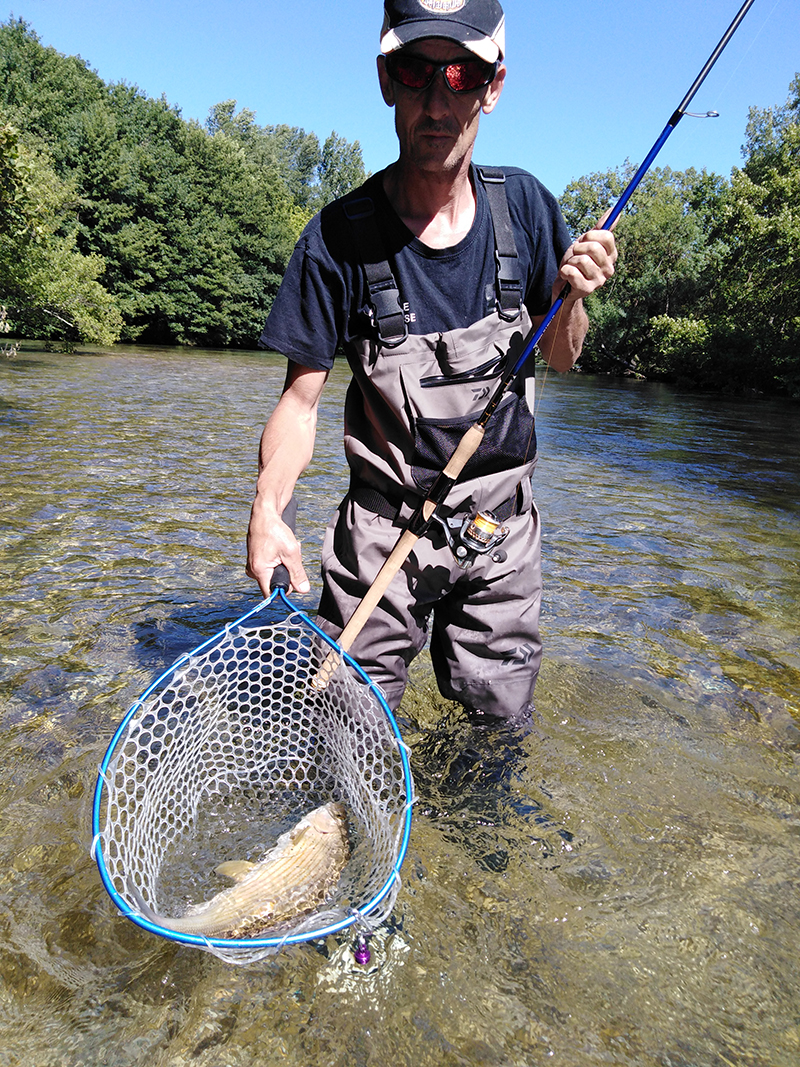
{"points": [[478, 25]]}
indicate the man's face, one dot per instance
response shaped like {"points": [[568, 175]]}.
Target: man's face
{"points": [[436, 127]]}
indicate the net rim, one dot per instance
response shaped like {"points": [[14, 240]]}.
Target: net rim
{"points": [[276, 942]]}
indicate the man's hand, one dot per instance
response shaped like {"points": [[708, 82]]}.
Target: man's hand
{"points": [[271, 542], [588, 263]]}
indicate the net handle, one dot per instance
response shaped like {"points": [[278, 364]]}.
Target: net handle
{"points": [[280, 576]]}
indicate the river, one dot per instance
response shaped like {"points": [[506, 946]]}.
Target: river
{"points": [[628, 894]]}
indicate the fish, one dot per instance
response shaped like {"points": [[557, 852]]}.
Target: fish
{"points": [[296, 876]]}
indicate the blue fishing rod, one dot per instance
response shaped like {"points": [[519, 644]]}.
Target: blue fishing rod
{"points": [[424, 515], [620, 205]]}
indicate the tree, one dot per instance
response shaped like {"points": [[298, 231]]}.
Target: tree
{"points": [[42, 93], [189, 229], [767, 127], [341, 168], [759, 300], [46, 285], [707, 290], [663, 270], [313, 177]]}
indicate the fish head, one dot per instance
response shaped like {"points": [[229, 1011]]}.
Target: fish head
{"points": [[330, 818]]}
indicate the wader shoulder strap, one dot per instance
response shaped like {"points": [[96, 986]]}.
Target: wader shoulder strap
{"points": [[509, 281], [388, 316]]}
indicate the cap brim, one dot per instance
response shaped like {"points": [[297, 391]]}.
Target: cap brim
{"points": [[473, 40]]}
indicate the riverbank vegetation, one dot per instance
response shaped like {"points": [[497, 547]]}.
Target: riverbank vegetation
{"points": [[707, 292], [121, 220]]}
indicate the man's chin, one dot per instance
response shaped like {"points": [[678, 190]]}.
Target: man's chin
{"points": [[439, 159]]}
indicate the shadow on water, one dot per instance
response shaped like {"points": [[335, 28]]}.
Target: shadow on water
{"points": [[174, 634], [163, 637], [467, 769], [617, 886]]}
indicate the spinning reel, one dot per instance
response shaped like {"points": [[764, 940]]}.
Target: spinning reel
{"points": [[472, 537]]}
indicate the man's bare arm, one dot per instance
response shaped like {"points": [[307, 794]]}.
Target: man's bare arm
{"points": [[287, 445]]}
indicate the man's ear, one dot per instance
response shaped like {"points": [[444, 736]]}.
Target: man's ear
{"points": [[494, 90], [387, 85]]}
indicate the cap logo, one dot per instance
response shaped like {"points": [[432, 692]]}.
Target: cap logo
{"points": [[442, 7]]}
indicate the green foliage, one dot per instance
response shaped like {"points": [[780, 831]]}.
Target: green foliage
{"points": [[681, 345], [767, 127], [341, 168], [188, 229], [47, 286], [43, 93], [119, 218], [665, 260], [758, 299], [707, 290], [312, 176]]}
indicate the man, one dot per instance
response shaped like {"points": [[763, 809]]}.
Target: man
{"points": [[428, 276]]}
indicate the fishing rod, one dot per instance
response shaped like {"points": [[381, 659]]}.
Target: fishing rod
{"points": [[621, 204], [424, 515]]}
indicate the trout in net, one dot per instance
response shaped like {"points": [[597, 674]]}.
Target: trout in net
{"points": [[233, 739], [296, 876]]}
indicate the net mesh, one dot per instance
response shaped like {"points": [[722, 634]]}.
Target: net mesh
{"points": [[232, 751]]}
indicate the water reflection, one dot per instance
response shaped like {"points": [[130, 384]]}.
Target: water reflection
{"points": [[620, 887]]}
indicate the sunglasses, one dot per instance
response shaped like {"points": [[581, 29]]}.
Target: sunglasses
{"points": [[461, 76]]}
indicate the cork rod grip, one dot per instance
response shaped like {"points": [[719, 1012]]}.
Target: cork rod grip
{"points": [[466, 448]]}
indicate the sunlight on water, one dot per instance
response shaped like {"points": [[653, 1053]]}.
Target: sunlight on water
{"points": [[618, 887]]}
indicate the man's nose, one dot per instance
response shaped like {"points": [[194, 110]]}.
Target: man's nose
{"points": [[438, 98]]}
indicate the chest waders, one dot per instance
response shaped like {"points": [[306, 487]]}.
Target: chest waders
{"points": [[446, 483], [410, 402]]}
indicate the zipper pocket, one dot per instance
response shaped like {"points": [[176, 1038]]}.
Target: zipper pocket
{"points": [[485, 372]]}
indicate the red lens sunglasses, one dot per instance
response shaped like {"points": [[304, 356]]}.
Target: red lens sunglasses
{"points": [[461, 76]]}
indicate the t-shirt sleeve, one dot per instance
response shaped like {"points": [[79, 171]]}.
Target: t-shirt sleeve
{"points": [[304, 322]]}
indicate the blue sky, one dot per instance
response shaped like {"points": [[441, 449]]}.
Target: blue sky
{"points": [[591, 82]]}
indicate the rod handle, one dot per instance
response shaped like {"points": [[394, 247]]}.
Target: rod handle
{"points": [[369, 602]]}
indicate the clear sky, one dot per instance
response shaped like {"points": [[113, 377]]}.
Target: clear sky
{"points": [[591, 83]]}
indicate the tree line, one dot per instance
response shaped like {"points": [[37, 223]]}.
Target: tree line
{"points": [[707, 292], [121, 220]]}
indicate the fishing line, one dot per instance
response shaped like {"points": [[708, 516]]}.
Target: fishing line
{"points": [[724, 89], [540, 389], [747, 50], [649, 159]]}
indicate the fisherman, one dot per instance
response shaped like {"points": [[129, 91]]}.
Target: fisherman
{"points": [[429, 276]]}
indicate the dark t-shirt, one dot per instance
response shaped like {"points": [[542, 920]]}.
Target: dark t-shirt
{"points": [[323, 300]]}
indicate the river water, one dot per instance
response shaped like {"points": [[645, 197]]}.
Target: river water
{"points": [[619, 887]]}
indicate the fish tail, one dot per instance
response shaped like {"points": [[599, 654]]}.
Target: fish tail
{"points": [[187, 924], [140, 903], [143, 908]]}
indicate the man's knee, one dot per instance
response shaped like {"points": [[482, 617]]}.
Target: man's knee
{"points": [[491, 691]]}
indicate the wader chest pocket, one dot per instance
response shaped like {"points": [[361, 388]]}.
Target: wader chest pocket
{"points": [[509, 442], [486, 372]]}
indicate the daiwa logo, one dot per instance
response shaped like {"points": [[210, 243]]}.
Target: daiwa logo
{"points": [[442, 7], [523, 654]]}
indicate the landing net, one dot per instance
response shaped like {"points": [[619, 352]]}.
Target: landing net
{"points": [[231, 747]]}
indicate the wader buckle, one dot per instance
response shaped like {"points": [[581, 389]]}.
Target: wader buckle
{"points": [[472, 537]]}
